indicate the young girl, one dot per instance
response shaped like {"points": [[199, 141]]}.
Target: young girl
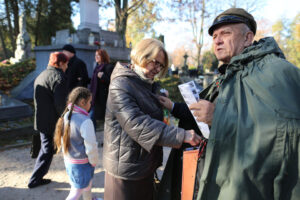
{"points": [[75, 135]]}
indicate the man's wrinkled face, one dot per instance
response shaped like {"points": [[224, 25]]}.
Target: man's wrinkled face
{"points": [[229, 40]]}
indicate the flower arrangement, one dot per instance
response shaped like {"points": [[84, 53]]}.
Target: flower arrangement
{"points": [[97, 43]]}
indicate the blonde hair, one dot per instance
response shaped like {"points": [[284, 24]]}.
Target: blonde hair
{"points": [[147, 50], [62, 131]]}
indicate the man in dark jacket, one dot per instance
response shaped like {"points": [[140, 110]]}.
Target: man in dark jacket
{"points": [[254, 112], [77, 74], [50, 92]]}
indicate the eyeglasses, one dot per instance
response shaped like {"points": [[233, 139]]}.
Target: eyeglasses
{"points": [[158, 64]]}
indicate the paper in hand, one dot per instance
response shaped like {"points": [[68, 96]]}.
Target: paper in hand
{"points": [[190, 94]]}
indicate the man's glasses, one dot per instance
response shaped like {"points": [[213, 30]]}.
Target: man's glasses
{"points": [[158, 64]]}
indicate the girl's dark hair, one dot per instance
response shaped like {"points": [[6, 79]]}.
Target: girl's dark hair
{"points": [[104, 56], [57, 57], [63, 131]]}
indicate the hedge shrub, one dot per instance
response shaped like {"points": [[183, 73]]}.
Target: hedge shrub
{"points": [[12, 74], [171, 84]]}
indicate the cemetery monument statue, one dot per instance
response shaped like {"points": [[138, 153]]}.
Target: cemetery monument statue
{"points": [[23, 42]]}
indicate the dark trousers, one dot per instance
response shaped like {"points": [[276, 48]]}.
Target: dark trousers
{"points": [[44, 158]]}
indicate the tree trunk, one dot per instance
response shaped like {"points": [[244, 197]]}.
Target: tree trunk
{"points": [[121, 18], [38, 18], [200, 44], [15, 9], [121, 25], [2, 41], [10, 30], [122, 13]]}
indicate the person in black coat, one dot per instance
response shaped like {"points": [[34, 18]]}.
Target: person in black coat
{"points": [[99, 85], [77, 74], [170, 186], [50, 93]]}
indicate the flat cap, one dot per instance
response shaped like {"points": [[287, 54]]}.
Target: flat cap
{"points": [[234, 15], [69, 48]]}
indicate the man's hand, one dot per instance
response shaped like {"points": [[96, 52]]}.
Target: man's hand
{"points": [[166, 102], [191, 137], [203, 111]]}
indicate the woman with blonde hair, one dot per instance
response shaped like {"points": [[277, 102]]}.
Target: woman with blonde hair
{"points": [[134, 131]]}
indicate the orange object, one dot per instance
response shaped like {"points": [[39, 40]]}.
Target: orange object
{"points": [[189, 166]]}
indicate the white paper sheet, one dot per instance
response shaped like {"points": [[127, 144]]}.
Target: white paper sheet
{"points": [[190, 94]]}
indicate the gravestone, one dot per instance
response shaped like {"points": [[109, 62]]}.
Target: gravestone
{"points": [[62, 36], [12, 109]]}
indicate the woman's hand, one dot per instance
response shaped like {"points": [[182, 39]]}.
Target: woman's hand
{"points": [[191, 137], [166, 102], [100, 74]]}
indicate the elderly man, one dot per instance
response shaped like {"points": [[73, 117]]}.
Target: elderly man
{"points": [[254, 112]]}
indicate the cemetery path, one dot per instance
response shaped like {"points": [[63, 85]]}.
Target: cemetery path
{"points": [[16, 167]]}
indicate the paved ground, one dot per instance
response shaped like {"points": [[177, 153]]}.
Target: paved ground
{"points": [[16, 166]]}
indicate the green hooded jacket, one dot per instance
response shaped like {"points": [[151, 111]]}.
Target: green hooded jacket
{"points": [[253, 148]]}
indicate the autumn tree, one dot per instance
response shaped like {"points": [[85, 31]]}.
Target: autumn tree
{"points": [[43, 17], [279, 33], [209, 61], [141, 22], [10, 20], [264, 28], [194, 12], [293, 42], [45, 12], [123, 9], [177, 56]]}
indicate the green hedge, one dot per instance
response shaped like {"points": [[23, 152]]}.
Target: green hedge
{"points": [[171, 84], [12, 74]]}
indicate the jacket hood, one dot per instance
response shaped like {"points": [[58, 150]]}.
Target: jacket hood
{"points": [[258, 49]]}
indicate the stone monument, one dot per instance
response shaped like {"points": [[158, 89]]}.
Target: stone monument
{"points": [[89, 15], [23, 42]]}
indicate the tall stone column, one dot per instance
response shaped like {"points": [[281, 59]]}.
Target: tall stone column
{"points": [[89, 15]]}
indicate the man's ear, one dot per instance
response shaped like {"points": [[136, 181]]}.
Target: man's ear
{"points": [[248, 39]]}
